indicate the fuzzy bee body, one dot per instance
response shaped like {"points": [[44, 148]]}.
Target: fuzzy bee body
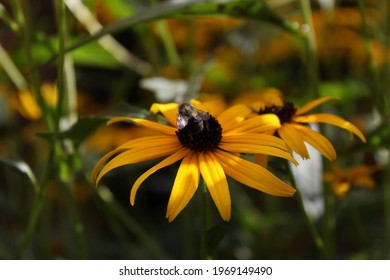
{"points": [[189, 115]]}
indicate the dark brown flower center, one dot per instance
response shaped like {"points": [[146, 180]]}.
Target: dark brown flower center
{"points": [[198, 130], [285, 113]]}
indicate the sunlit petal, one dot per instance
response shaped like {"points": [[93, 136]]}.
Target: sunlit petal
{"points": [[169, 111], [146, 123], [258, 124], [184, 187], [331, 119], [253, 175], [178, 155], [233, 115], [257, 149], [294, 140], [215, 179], [311, 105], [148, 151], [318, 141], [254, 139]]}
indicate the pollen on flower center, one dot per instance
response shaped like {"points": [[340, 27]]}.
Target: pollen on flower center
{"points": [[198, 130], [285, 113]]}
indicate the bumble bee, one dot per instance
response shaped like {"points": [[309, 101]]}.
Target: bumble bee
{"points": [[189, 115]]}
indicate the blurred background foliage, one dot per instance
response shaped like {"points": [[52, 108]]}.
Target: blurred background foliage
{"points": [[66, 66]]}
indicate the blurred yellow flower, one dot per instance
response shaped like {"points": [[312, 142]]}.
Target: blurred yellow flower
{"points": [[341, 180], [26, 104], [206, 147]]}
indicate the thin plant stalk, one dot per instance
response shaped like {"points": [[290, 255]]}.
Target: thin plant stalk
{"points": [[203, 220], [318, 241]]}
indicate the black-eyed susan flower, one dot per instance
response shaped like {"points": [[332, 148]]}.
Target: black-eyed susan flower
{"points": [[342, 179], [295, 129], [207, 147]]}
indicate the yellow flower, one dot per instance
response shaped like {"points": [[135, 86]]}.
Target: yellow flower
{"points": [[295, 130], [206, 147], [342, 180]]}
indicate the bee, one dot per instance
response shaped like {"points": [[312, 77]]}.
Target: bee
{"points": [[188, 114]]}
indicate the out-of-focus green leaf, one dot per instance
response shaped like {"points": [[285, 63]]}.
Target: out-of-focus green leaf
{"points": [[94, 55], [251, 9], [347, 91], [21, 168]]}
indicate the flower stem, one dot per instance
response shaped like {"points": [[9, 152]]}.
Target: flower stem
{"points": [[203, 220], [309, 222], [310, 44]]}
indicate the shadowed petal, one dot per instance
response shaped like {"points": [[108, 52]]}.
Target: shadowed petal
{"points": [[331, 119], [146, 123], [294, 140], [318, 141], [178, 155], [311, 105], [168, 110], [253, 175], [184, 187], [215, 179]]}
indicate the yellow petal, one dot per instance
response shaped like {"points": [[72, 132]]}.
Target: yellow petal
{"points": [[169, 111], [257, 124], [340, 189], [161, 140], [318, 141], [253, 175], [294, 140], [146, 123], [261, 160], [331, 119], [184, 187], [254, 139], [233, 115], [178, 155], [256, 149], [216, 183], [146, 151], [311, 105]]}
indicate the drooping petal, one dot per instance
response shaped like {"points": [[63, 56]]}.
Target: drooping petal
{"points": [[258, 124], [184, 187], [169, 111], [257, 149], [311, 105], [294, 140], [254, 139], [178, 155], [146, 151], [318, 141], [233, 115], [331, 119], [146, 123], [215, 179], [253, 175]]}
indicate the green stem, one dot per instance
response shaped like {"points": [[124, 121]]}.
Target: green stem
{"points": [[170, 48], [329, 221], [114, 209], [310, 48], [203, 220], [12, 71], [309, 222], [25, 28]]}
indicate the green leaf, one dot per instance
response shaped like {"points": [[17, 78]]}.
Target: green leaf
{"points": [[251, 9], [22, 168]]}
